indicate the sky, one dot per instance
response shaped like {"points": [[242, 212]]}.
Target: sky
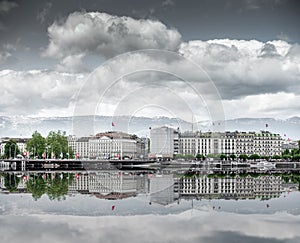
{"points": [[209, 60]]}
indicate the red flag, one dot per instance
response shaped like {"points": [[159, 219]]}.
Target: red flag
{"points": [[285, 135], [76, 155], [113, 207], [267, 124], [112, 124]]}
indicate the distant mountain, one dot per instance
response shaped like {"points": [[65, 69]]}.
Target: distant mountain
{"points": [[25, 126]]}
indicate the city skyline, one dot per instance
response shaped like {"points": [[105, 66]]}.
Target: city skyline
{"points": [[248, 50]]}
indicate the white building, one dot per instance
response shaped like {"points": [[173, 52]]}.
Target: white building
{"points": [[232, 187], [164, 141], [21, 142], [266, 143], [262, 143], [108, 145]]}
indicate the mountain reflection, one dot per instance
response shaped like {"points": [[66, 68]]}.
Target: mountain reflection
{"points": [[163, 187]]}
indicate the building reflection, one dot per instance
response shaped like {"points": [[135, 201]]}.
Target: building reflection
{"points": [[162, 188]]}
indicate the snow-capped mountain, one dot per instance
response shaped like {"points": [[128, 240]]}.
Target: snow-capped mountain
{"points": [[25, 126]]}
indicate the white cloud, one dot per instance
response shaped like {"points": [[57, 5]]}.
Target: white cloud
{"points": [[6, 6], [240, 68], [37, 92], [279, 105], [189, 226], [108, 35]]}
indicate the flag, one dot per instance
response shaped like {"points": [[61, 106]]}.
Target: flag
{"points": [[44, 155], [76, 155], [284, 135], [113, 207], [267, 124], [112, 124], [25, 153]]}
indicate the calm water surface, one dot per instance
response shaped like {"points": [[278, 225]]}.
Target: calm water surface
{"points": [[165, 206]]}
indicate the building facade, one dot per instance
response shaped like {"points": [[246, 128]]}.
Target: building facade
{"points": [[263, 143], [164, 141], [109, 145], [21, 142]]}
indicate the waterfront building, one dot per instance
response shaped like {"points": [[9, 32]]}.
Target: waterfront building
{"points": [[21, 142], [163, 189], [164, 142], [263, 143], [108, 145], [267, 144], [263, 187]]}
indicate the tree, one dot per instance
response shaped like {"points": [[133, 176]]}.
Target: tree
{"points": [[254, 156], [57, 144], [276, 157], [200, 157], [296, 157], [11, 149], [233, 156], [57, 187], [223, 156], [286, 152], [11, 182], [37, 186], [36, 145], [286, 156], [243, 157]]}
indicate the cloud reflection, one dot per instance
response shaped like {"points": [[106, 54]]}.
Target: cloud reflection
{"points": [[189, 226]]}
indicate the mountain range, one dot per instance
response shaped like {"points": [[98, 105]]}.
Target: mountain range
{"points": [[24, 126]]}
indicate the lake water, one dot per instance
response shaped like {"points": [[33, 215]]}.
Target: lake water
{"points": [[143, 206]]}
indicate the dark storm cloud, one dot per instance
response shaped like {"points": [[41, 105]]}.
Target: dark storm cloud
{"points": [[6, 6]]}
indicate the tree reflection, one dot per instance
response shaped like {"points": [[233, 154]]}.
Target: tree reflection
{"points": [[54, 185], [11, 182]]}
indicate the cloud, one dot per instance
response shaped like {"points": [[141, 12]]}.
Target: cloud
{"points": [[72, 64], [167, 3], [37, 92], [189, 226], [6, 6], [41, 15], [108, 35], [240, 68]]}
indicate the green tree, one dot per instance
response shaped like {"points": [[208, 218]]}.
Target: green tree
{"points": [[286, 152], [286, 156], [200, 156], [233, 156], [11, 149], [276, 157], [57, 187], [11, 182], [36, 145], [57, 143], [243, 157], [37, 186], [254, 156], [296, 157], [294, 151], [223, 156]]}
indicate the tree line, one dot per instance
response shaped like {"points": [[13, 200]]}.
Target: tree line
{"points": [[55, 145]]}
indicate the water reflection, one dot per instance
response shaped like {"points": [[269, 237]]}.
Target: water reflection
{"points": [[172, 205], [163, 188]]}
